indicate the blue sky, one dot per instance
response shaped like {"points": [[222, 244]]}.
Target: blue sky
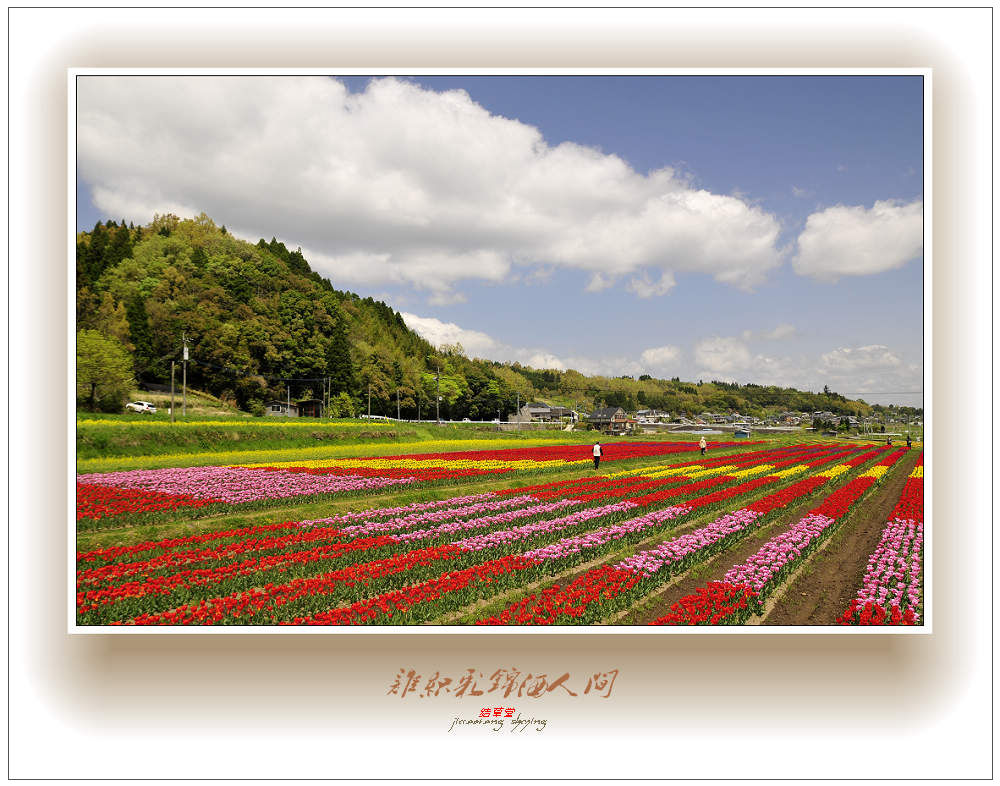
{"points": [[761, 229]]}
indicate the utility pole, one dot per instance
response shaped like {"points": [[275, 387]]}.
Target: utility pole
{"points": [[173, 363], [397, 403], [185, 405], [437, 402], [418, 406], [369, 400], [288, 400], [519, 410]]}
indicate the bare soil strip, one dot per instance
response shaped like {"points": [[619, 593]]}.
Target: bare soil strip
{"points": [[820, 591]]}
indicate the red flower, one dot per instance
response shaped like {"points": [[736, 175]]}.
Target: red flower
{"points": [[717, 603]]}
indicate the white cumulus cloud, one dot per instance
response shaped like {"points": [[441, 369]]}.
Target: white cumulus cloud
{"points": [[661, 358], [857, 241], [644, 287], [475, 343], [874, 372], [782, 331], [848, 359], [722, 354], [403, 185]]}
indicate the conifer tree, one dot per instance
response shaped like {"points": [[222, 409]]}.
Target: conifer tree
{"points": [[95, 252], [140, 334], [82, 272], [339, 365], [118, 249]]}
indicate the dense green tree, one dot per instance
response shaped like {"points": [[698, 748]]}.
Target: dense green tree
{"points": [[103, 372], [94, 258], [119, 248], [377, 381], [141, 336], [342, 406]]}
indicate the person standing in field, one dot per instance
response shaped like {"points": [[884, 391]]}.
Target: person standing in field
{"points": [[909, 442], [703, 445], [598, 452]]}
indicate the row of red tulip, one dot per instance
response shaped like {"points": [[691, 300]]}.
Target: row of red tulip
{"points": [[95, 502]]}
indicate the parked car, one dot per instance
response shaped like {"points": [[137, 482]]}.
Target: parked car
{"points": [[140, 406]]}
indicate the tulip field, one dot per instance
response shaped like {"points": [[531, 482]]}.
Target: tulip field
{"points": [[657, 535], [138, 493]]}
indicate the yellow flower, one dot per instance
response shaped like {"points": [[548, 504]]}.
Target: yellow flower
{"points": [[833, 472], [646, 472], [785, 473], [745, 473]]}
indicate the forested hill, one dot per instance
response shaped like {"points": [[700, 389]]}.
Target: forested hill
{"points": [[257, 318]]}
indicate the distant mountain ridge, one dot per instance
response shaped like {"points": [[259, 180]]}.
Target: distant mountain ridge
{"points": [[260, 324]]}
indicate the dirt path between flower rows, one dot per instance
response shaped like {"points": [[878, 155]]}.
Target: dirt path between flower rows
{"points": [[824, 587]]}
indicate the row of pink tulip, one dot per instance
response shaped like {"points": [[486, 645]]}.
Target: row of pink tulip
{"points": [[892, 589]]}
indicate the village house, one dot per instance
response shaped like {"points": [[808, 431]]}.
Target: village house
{"points": [[282, 409], [539, 412], [310, 408], [535, 410], [611, 420]]}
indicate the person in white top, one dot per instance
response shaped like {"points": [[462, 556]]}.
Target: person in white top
{"points": [[597, 454], [703, 444]]}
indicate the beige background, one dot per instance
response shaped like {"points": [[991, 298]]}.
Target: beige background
{"points": [[292, 706]]}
